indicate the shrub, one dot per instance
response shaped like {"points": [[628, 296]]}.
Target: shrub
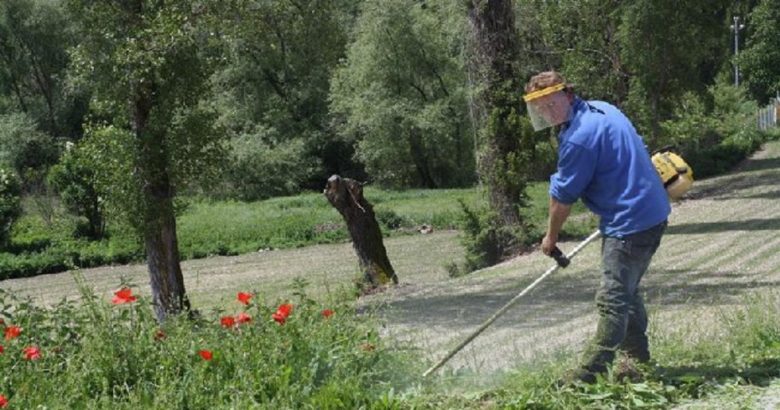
{"points": [[10, 205], [259, 170], [389, 219], [714, 139], [486, 241], [26, 149], [74, 179]]}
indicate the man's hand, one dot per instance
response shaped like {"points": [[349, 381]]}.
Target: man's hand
{"points": [[548, 243]]}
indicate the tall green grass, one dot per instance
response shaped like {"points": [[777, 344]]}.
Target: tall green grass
{"points": [[98, 355], [208, 228]]}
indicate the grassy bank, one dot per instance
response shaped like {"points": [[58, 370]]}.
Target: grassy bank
{"points": [[208, 228], [96, 354]]}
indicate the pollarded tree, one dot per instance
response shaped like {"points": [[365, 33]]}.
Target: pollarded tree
{"points": [[149, 67]]}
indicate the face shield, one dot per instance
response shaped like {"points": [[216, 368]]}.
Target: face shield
{"points": [[548, 107]]}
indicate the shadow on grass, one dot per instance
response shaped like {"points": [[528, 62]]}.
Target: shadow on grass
{"points": [[729, 184], [759, 373], [562, 300], [35, 246], [763, 195], [724, 226], [759, 164]]}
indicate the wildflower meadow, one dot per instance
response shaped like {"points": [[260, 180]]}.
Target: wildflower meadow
{"points": [[112, 353]]}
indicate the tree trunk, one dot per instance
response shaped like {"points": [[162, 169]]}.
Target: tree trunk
{"points": [[346, 195], [495, 51], [159, 223]]}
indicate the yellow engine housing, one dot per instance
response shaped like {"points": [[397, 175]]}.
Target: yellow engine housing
{"points": [[675, 173]]}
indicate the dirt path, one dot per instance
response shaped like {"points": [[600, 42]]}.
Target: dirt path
{"points": [[721, 245]]}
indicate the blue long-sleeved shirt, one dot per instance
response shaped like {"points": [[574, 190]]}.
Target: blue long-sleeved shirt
{"points": [[603, 160]]}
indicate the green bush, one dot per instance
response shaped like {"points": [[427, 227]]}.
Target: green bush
{"points": [[10, 205], [26, 149], [389, 219], [74, 179], [486, 240], [714, 132], [259, 170]]}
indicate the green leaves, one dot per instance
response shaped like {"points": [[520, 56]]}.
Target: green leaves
{"points": [[760, 59], [10, 203], [401, 94]]}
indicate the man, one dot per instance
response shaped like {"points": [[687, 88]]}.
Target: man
{"points": [[603, 161]]}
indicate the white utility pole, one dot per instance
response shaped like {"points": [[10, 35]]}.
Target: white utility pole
{"points": [[737, 26]]}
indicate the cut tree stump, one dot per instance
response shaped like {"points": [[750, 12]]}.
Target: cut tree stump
{"points": [[346, 195]]}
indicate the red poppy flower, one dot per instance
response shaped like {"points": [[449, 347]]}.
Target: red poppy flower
{"points": [[282, 313], [3, 401], [242, 318], [244, 297], [205, 354], [31, 353], [227, 321], [1, 348], [326, 313], [12, 332], [123, 295]]}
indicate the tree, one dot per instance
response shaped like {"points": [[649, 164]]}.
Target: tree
{"points": [[275, 101], [149, 63], [505, 140], [34, 38], [400, 94], [760, 61], [665, 63], [581, 39], [27, 150], [346, 195]]}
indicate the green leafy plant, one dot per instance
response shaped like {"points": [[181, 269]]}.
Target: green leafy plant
{"points": [[10, 206], [74, 178]]}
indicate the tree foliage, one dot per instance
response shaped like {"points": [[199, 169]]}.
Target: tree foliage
{"points": [[664, 64], [401, 96], [275, 93], [10, 204], [74, 178], [582, 38], [35, 36], [760, 61], [25, 149]]}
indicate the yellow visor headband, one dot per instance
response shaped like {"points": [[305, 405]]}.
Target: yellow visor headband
{"points": [[544, 91]]}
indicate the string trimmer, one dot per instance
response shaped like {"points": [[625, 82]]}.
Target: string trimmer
{"points": [[561, 260]]}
